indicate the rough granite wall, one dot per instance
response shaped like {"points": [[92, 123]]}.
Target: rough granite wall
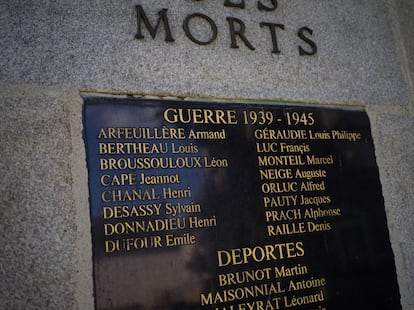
{"points": [[53, 51], [38, 214]]}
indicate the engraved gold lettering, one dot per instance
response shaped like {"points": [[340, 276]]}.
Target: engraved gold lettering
{"points": [[116, 148], [141, 133], [279, 201], [325, 226], [169, 193], [184, 149], [280, 134], [129, 195], [200, 116], [270, 252], [243, 293], [275, 174], [324, 135], [215, 162], [266, 147], [185, 239], [280, 160], [245, 276], [117, 212], [295, 301], [283, 271], [207, 135], [195, 222], [345, 135], [134, 227], [310, 186], [283, 215], [294, 148], [279, 187], [175, 209], [313, 160], [306, 284], [160, 179], [310, 174], [129, 244], [286, 229], [119, 180], [318, 213], [316, 200], [134, 163]]}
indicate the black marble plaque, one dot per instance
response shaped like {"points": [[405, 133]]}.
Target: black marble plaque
{"points": [[230, 206]]}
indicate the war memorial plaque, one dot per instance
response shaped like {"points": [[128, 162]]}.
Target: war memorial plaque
{"points": [[198, 205]]}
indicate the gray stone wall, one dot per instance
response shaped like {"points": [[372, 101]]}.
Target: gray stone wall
{"points": [[54, 51]]}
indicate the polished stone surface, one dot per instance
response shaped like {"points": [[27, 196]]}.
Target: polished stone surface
{"points": [[333, 222]]}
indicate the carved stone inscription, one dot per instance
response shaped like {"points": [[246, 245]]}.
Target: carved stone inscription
{"points": [[237, 28], [235, 206]]}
